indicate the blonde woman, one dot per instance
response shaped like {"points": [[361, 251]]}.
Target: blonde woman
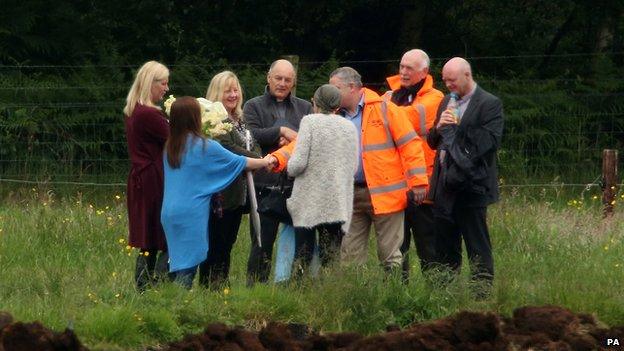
{"points": [[229, 206], [147, 130]]}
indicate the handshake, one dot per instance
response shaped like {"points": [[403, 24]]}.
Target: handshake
{"points": [[270, 162]]}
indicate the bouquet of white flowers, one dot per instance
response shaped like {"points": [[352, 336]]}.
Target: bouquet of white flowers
{"points": [[213, 116]]}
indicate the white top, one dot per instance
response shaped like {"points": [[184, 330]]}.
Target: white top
{"points": [[323, 164]]}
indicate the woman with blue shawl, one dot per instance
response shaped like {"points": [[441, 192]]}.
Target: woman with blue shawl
{"points": [[195, 169]]}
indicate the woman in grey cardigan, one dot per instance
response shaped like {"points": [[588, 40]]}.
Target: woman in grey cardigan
{"points": [[323, 164]]}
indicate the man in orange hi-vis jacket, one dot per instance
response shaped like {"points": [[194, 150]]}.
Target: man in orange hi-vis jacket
{"points": [[413, 91], [391, 165]]}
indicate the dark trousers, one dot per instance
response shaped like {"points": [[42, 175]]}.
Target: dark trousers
{"points": [[330, 239], [469, 223], [259, 263], [222, 234], [151, 267], [419, 223]]}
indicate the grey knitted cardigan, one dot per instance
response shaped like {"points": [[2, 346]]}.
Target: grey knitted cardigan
{"points": [[323, 164]]}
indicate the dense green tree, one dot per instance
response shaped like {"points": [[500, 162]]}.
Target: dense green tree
{"points": [[65, 67]]}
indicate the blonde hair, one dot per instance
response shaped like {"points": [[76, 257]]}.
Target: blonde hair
{"points": [[219, 84], [141, 89]]}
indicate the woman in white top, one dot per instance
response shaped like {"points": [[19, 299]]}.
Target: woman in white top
{"points": [[323, 164]]}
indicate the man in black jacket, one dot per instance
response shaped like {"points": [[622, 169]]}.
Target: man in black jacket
{"points": [[273, 118], [465, 180]]}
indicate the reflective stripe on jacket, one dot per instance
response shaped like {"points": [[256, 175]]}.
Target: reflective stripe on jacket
{"points": [[392, 154], [421, 112]]}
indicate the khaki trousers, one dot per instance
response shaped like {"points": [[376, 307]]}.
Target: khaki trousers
{"points": [[388, 228]]}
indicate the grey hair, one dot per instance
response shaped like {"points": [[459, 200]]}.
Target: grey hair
{"points": [[424, 58], [347, 75], [274, 63]]}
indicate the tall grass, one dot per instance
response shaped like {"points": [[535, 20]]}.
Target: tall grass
{"points": [[64, 261]]}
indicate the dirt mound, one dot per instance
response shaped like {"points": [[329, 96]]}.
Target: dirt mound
{"points": [[20, 336], [530, 328], [535, 328]]}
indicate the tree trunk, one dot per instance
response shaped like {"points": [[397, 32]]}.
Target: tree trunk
{"points": [[562, 32]]}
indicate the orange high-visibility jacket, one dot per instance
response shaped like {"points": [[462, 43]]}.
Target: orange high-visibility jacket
{"points": [[283, 155], [392, 154], [422, 112]]}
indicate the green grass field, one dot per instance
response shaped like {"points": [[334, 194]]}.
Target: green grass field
{"points": [[64, 262]]}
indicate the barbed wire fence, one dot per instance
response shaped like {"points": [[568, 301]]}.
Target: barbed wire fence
{"points": [[64, 125]]}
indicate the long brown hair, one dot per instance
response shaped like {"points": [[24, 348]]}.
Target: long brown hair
{"points": [[185, 119]]}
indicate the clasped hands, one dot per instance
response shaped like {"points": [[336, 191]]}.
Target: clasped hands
{"points": [[286, 136], [271, 162]]}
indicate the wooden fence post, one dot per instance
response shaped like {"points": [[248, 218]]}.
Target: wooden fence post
{"points": [[609, 179], [294, 59]]}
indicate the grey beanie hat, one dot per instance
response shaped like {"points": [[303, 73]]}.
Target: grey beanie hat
{"points": [[327, 98]]}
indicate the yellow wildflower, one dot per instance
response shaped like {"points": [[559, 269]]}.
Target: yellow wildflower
{"points": [[226, 291]]}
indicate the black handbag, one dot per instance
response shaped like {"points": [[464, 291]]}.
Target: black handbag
{"points": [[272, 201]]}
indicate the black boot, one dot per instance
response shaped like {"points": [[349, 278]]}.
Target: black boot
{"points": [[144, 270], [405, 269], [152, 266]]}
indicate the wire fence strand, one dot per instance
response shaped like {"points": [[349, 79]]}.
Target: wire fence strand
{"points": [[58, 126]]}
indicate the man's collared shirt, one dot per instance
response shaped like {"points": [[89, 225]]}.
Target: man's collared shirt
{"points": [[356, 119], [464, 101]]}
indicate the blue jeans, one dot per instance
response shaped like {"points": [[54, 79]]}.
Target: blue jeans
{"points": [[185, 276]]}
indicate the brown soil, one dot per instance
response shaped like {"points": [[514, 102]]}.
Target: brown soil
{"points": [[530, 328], [18, 336]]}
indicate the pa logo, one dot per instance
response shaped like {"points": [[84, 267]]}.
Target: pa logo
{"points": [[613, 342]]}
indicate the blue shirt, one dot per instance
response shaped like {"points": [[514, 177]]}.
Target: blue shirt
{"points": [[356, 119], [205, 168]]}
